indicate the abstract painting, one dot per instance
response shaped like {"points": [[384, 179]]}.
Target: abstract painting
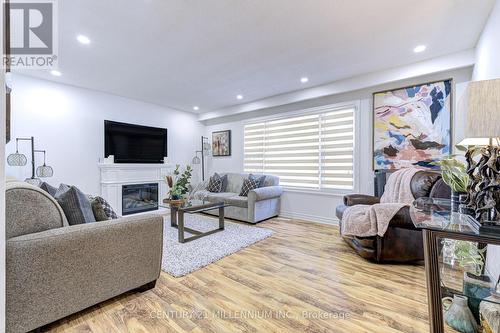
{"points": [[221, 143], [412, 126]]}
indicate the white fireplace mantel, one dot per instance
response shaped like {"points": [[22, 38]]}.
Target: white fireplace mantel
{"points": [[115, 175]]}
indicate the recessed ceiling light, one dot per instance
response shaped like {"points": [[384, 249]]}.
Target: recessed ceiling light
{"points": [[55, 73], [304, 79], [83, 39], [239, 96], [196, 108], [419, 48]]}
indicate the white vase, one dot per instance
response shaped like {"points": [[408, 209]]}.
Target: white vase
{"points": [[459, 316]]}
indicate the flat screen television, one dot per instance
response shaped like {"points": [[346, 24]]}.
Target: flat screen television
{"points": [[134, 143]]}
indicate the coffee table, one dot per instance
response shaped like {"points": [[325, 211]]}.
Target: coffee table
{"points": [[191, 207]]}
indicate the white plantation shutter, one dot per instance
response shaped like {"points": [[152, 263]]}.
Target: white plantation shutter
{"points": [[313, 151]]}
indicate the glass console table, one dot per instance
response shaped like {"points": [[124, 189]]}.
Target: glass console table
{"points": [[445, 278]]}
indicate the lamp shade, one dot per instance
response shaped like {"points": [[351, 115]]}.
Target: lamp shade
{"points": [[196, 160], [44, 171], [481, 102], [17, 159], [474, 142]]}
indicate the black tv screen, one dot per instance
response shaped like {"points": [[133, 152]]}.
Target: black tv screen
{"points": [[134, 143]]}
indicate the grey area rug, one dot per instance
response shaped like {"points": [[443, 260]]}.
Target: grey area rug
{"points": [[181, 259]]}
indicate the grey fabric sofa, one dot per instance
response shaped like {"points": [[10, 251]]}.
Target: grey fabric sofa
{"points": [[260, 204], [54, 270]]}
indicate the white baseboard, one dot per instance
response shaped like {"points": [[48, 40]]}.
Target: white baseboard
{"points": [[311, 218]]}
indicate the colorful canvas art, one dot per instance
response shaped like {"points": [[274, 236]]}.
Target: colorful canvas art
{"points": [[412, 126], [221, 143]]}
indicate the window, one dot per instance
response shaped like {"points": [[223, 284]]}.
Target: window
{"points": [[309, 151]]}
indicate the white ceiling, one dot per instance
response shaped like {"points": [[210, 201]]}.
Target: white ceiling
{"points": [[181, 53]]}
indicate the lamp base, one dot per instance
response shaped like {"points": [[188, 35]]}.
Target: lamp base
{"points": [[487, 227], [483, 192]]}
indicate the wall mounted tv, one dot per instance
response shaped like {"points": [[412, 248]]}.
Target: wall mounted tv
{"points": [[134, 143]]}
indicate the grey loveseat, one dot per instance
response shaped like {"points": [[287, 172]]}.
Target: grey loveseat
{"points": [[54, 270], [260, 204]]}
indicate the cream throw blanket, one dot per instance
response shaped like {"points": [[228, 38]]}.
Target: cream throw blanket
{"points": [[371, 220]]}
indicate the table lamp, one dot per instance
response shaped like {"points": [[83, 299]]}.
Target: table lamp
{"points": [[481, 102]]}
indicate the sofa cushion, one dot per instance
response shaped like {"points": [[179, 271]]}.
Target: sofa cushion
{"points": [[234, 182], [260, 179], [62, 188], [237, 201], [76, 206], [248, 185], [29, 209], [98, 210], [220, 197], [102, 209], [224, 183], [49, 188], [215, 184]]}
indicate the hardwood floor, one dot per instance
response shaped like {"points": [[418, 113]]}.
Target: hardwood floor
{"points": [[302, 279]]}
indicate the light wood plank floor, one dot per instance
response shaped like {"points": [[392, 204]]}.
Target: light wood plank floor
{"points": [[302, 279]]}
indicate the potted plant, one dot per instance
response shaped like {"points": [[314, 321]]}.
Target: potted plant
{"points": [[178, 183], [455, 176]]}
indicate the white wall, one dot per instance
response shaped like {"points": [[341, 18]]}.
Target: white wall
{"points": [[488, 67], [68, 122], [321, 207], [488, 49]]}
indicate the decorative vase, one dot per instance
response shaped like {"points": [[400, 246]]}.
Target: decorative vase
{"points": [[455, 200], [458, 315]]}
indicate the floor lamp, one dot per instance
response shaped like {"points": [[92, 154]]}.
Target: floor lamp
{"points": [[18, 159], [205, 151]]}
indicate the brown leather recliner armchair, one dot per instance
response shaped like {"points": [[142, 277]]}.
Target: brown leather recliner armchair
{"points": [[402, 243]]}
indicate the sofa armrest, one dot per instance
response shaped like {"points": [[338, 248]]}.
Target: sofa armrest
{"points": [[360, 199], [264, 193], [57, 272]]}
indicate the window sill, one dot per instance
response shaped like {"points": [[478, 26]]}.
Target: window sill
{"points": [[339, 193]]}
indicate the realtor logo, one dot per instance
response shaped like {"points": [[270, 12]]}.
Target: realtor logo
{"points": [[33, 34]]}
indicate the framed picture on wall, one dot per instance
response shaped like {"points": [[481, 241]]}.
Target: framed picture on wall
{"points": [[412, 125], [221, 143]]}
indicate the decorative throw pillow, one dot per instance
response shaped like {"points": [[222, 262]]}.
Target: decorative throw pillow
{"points": [[76, 206], [260, 179], [49, 189], [215, 184], [98, 210], [248, 185], [62, 188], [102, 209], [224, 183]]}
